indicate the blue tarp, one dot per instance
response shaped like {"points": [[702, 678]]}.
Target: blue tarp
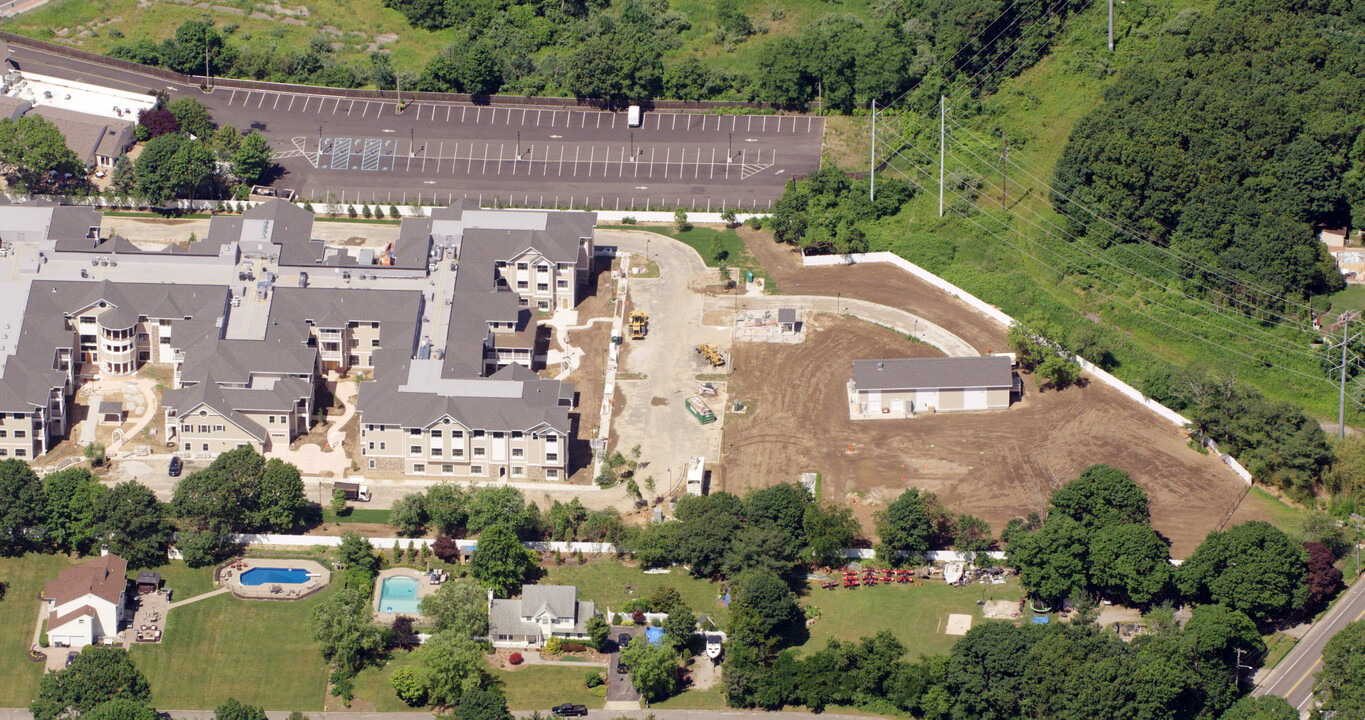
{"points": [[1041, 619], [655, 636]]}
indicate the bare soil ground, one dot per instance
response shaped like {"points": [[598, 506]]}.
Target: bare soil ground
{"points": [[591, 371], [874, 282], [995, 465]]}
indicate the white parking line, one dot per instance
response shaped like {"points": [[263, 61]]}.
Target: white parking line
{"points": [[365, 110], [277, 101], [613, 121], [509, 117], [668, 155], [448, 109], [462, 112], [337, 106], [523, 116], [261, 102], [583, 124], [478, 115], [713, 163], [749, 125], [592, 155], [455, 155], [621, 167], [651, 162], [561, 164], [576, 150], [675, 122], [809, 120], [469, 170], [658, 119], [599, 121], [232, 97]]}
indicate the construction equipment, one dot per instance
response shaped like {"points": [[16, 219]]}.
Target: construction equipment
{"points": [[706, 388], [711, 354], [639, 322]]}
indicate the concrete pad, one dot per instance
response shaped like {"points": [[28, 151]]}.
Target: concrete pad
{"points": [[958, 624]]}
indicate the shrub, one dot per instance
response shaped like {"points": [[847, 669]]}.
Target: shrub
{"points": [[599, 691], [627, 220], [410, 684], [593, 678], [350, 210], [515, 658], [638, 616], [553, 646], [569, 647]]}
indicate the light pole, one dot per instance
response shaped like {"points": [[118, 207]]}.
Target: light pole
{"points": [[731, 154], [632, 146]]}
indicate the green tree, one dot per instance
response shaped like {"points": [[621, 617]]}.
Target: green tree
{"points": [[338, 500], [482, 703], [1060, 373], [131, 522], [35, 148], [22, 511], [680, 221], [279, 502], [1339, 688], [598, 631], [99, 674], [500, 561], [830, 529], [459, 606], [984, 674], [357, 552], [653, 669], [1130, 563], [1265, 707], [193, 117], [480, 70], [1252, 567], [1217, 632], [1101, 496], [772, 606], [252, 160], [409, 514], [121, 709], [172, 166], [123, 178], [456, 667], [343, 628], [1028, 346], [903, 528], [679, 626], [1051, 560], [783, 505], [763, 547], [489, 506], [445, 505], [972, 535], [410, 685], [226, 140], [233, 709]]}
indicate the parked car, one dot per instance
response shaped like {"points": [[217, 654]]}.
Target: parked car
{"points": [[176, 466], [623, 640], [567, 710], [71, 657], [620, 668]]}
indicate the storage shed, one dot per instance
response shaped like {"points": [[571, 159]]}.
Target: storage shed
{"points": [[899, 387]]}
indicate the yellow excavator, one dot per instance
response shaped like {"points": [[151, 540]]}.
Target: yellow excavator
{"points": [[711, 354], [639, 324]]}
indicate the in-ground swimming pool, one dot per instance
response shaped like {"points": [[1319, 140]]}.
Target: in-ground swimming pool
{"points": [[398, 595], [269, 575]]}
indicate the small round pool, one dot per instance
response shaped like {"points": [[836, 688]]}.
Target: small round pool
{"points": [[399, 595], [269, 575]]}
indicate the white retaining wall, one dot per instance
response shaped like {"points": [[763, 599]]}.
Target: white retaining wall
{"points": [[1001, 317]]}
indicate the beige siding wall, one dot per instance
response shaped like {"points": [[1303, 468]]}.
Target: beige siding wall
{"points": [[452, 449], [20, 439], [949, 400], [998, 398], [210, 433]]}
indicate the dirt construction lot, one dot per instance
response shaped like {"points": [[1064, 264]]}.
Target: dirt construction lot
{"points": [[995, 465]]}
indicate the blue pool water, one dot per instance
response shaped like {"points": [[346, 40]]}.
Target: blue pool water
{"points": [[398, 595], [282, 576]]}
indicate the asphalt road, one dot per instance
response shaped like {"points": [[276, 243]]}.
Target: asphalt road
{"points": [[368, 151], [1293, 679]]}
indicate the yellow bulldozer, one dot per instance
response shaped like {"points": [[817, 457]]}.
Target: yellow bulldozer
{"points": [[639, 324], [711, 354]]}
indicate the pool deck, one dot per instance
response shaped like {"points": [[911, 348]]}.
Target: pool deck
{"points": [[424, 588], [230, 576]]}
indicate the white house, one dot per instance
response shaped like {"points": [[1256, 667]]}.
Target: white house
{"points": [[85, 603], [542, 612]]}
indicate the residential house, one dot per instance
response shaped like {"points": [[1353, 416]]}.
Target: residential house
{"points": [[542, 612], [85, 603]]}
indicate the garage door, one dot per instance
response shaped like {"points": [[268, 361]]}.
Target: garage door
{"points": [[874, 401], [974, 400]]}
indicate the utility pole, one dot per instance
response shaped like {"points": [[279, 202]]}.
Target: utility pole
{"points": [[1004, 175], [1111, 25], [872, 164], [942, 130]]}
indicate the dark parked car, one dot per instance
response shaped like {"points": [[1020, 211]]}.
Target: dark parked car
{"points": [[620, 668], [623, 640], [567, 710], [71, 657], [176, 466]]}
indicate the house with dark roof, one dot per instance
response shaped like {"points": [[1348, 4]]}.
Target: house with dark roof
{"points": [[85, 604], [542, 612], [901, 387]]}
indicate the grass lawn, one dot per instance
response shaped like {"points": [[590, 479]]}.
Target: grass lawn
{"points": [[1277, 646], [605, 582], [1282, 515], [913, 614], [183, 579], [259, 652], [712, 698], [1350, 298], [23, 578], [699, 239], [529, 688], [357, 515]]}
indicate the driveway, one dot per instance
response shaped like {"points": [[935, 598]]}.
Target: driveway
{"points": [[619, 687], [655, 415]]}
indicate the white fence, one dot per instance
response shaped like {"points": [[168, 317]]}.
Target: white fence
{"points": [[1003, 318], [386, 543]]}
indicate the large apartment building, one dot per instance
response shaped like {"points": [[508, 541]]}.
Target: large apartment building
{"points": [[253, 320]]}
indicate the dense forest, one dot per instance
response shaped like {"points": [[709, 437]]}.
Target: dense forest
{"points": [[640, 50], [1230, 141]]}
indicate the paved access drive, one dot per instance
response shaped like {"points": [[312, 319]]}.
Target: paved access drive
{"points": [[368, 151], [1293, 679]]}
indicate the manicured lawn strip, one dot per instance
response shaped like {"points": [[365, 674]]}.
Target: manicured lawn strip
{"points": [[913, 614], [183, 579], [1282, 515], [605, 582], [259, 652], [699, 239], [1278, 645], [358, 515], [712, 698], [24, 578], [372, 683], [540, 687]]}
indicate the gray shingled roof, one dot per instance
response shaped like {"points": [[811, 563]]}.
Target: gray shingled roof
{"points": [[992, 371], [505, 616]]}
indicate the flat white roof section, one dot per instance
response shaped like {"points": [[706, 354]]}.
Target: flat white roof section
{"points": [[424, 376], [78, 96]]}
